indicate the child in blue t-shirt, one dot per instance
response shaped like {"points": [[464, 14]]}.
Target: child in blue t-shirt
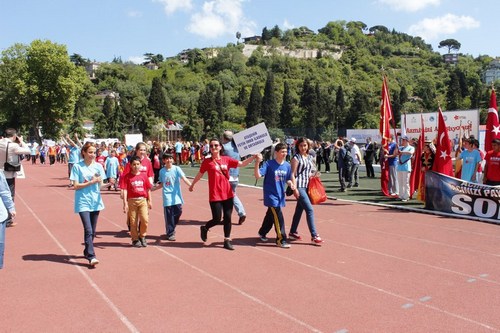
{"points": [[277, 173], [170, 176]]}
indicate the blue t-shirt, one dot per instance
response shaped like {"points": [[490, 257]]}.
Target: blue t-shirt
{"points": [[275, 177], [469, 162], [178, 147], [393, 161], [404, 162], [74, 155], [171, 186], [87, 199], [112, 164], [231, 151]]}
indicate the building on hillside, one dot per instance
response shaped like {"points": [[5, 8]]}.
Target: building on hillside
{"points": [[492, 73], [91, 69], [151, 66], [251, 39], [451, 58]]}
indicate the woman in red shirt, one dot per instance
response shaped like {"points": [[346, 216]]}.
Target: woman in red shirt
{"points": [[220, 193]]}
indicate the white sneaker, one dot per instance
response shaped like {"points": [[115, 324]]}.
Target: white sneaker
{"points": [[94, 261]]}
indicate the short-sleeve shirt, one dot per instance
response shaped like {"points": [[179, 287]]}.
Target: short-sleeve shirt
{"points": [[87, 199], [146, 168], [275, 177], [137, 186], [74, 155], [171, 186], [493, 162], [393, 161], [112, 165], [469, 161], [404, 161], [219, 188]]}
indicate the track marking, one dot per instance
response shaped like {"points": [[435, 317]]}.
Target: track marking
{"points": [[239, 291], [93, 284]]}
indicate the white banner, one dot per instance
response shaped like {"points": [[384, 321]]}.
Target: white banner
{"points": [[252, 140], [468, 119]]}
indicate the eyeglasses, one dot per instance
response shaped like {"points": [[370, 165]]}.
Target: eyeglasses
{"points": [[214, 146]]}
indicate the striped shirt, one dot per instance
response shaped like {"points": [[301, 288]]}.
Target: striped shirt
{"points": [[304, 169]]}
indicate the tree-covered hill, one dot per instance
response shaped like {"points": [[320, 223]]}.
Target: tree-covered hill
{"points": [[217, 88]]}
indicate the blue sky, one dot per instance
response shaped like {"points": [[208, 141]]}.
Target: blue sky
{"points": [[102, 29]]}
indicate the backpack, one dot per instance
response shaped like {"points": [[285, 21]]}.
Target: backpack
{"points": [[348, 160]]}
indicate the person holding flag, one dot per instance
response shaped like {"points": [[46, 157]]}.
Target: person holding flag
{"points": [[405, 154]]}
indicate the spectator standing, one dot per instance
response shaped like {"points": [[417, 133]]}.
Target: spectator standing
{"points": [[492, 164], [392, 155], [12, 147], [405, 154], [356, 161], [369, 149], [178, 151], [470, 161], [342, 164], [7, 213]]}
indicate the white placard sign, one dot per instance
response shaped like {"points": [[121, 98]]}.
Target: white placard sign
{"points": [[133, 139], [252, 140]]}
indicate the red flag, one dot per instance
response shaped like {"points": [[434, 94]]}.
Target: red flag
{"points": [[385, 133], [416, 164], [492, 125], [442, 161]]}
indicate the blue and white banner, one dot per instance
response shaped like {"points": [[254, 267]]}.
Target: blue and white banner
{"points": [[455, 196]]}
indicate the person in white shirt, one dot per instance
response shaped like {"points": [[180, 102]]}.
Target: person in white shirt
{"points": [[356, 160]]}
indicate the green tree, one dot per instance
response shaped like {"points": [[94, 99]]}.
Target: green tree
{"points": [[157, 102], [254, 106], [340, 107], [451, 44], [453, 94], [286, 113], [309, 103], [40, 86], [269, 108]]}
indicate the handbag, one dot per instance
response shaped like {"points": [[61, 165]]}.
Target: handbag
{"points": [[288, 191], [316, 191], [11, 166]]}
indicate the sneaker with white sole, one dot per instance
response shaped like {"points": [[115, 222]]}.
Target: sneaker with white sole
{"points": [[317, 240], [294, 236], [93, 262], [283, 245], [263, 238]]}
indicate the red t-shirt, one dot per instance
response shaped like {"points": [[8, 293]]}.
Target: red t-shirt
{"points": [[146, 168], [136, 185], [101, 160], [219, 188], [493, 162]]}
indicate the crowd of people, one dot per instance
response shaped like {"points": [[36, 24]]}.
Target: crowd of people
{"points": [[137, 171]]}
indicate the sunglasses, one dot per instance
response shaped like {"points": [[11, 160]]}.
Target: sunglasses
{"points": [[214, 146]]}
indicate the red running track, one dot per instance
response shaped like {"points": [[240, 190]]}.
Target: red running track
{"points": [[379, 270]]}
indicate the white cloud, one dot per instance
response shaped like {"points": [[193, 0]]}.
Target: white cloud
{"points": [[221, 17], [134, 13], [171, 6], [409, 5], [432, 28], [287, 25], [136, 59]]}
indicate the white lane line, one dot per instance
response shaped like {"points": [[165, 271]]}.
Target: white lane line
{"points": [[98, 290], [417, 239], [241, 292], [482, 276], [381, 290]]}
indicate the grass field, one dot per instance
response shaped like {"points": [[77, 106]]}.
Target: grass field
{"points": [[368, 190]]}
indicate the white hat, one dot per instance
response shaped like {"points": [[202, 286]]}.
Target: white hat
{"points": [[353, 140]]}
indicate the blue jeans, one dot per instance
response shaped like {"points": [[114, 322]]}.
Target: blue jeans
{"points": [[2, 241], [89, 221], [303, 203], [237, 203], [172, 214]]}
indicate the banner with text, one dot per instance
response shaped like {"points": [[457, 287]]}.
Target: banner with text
{"points": [[468, 119], [253, 140], [455, 196]]}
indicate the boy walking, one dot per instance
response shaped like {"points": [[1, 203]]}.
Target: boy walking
{"points": [[170, 177], [277, 173], [136, 201]]}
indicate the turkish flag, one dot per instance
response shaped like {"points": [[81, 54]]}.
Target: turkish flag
{"points": [[385, 133], [442, 161], [492, 126]]}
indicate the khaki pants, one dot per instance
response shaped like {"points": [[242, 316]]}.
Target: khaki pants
{"points": [[138, 210]]}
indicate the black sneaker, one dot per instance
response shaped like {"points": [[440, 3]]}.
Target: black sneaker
{"points": [[143, 241], [356, 185], [203, 233], [228, 245], [136, 243], [242, 219]]}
